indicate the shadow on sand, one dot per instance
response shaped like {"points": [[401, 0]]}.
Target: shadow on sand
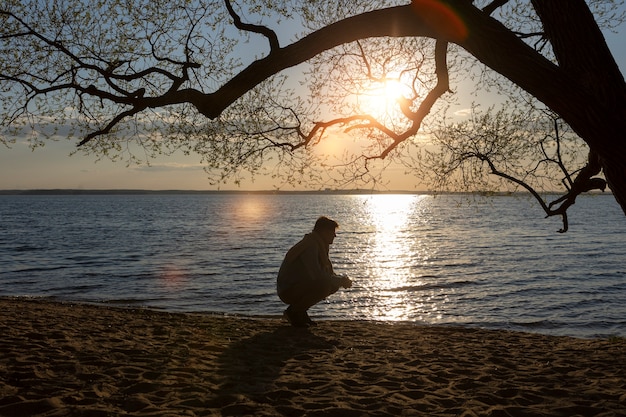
{"points": [[251, 366]]}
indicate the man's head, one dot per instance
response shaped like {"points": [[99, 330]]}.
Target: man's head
{"points": [[326, 228]]}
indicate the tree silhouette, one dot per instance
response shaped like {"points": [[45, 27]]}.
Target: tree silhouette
{"points": [[170, 77]]}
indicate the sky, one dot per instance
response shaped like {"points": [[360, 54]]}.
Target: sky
{"points": [[52, 167]]}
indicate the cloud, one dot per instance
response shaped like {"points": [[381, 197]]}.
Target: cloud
{"points": [[463, 112]]}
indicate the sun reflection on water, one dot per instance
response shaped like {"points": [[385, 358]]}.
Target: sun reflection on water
{"points": [[394, 259]]}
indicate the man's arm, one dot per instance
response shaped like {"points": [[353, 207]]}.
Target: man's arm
{"points": [[310, 259]]}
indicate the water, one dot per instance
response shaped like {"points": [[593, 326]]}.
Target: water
{"points": [[494, 262]]}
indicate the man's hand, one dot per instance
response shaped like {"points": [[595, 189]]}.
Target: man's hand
{"points": [[345, 281]]}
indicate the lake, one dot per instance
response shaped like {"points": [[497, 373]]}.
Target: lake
{"points": [[487, 261]]}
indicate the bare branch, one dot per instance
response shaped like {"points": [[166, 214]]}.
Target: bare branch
{"points": [[584, 182], [491, 7], [265, 31], [111, 124]]}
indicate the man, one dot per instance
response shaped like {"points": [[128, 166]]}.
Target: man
{"points": [[306, 275]]}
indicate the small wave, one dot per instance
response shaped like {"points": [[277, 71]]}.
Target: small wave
{"points": [[585, 329], [433, 286], [39, 269], [125, 301], [28, 248], [536, 324]]}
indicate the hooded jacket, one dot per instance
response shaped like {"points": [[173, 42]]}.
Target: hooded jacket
{"points": [[306, 262]]}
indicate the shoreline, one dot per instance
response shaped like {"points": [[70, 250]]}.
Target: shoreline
{"points": [[278, 316], [518, 327], [63, 358]]}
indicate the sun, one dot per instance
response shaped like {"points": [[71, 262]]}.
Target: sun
{"points": [[382, 97], [393, 90]]}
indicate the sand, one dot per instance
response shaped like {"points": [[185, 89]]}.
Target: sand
{"points": [[65, 359]]}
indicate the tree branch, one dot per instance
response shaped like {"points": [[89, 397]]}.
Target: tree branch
{"points": [[491, 7], [584, 182], [267, 32], [111, 124]]}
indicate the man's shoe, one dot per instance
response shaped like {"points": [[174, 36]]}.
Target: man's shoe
{"points": [[296, 318], [308, 320]]}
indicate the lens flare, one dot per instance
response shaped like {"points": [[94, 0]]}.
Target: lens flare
{"points": [[172, 278], [441, 18]]}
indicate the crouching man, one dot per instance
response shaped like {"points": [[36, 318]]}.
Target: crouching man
{"points": [[306, 275]]}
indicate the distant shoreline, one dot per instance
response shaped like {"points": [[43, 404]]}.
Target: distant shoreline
{"points": [[175, 192], [63, 191]]}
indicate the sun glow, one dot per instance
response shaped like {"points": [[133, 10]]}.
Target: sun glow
{"points": [[381, 99], [393, 90]]}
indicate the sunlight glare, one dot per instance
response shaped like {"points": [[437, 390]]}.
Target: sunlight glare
{"points": [[383, 96], [388, 256], [250, 209], [393, 90]]}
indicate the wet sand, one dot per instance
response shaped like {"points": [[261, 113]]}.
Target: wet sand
{"points": [[67, 359]]}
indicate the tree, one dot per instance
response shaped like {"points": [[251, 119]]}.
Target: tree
{"points": [[512, 145], [169, 77]]}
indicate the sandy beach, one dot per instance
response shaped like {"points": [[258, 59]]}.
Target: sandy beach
{"points": [[67, 359]]}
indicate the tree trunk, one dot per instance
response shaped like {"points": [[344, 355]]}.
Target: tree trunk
{"points": [[581, 50], [586, 89]]}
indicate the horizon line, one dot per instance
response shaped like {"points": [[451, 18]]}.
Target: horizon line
{"points": [[128, 191]]}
